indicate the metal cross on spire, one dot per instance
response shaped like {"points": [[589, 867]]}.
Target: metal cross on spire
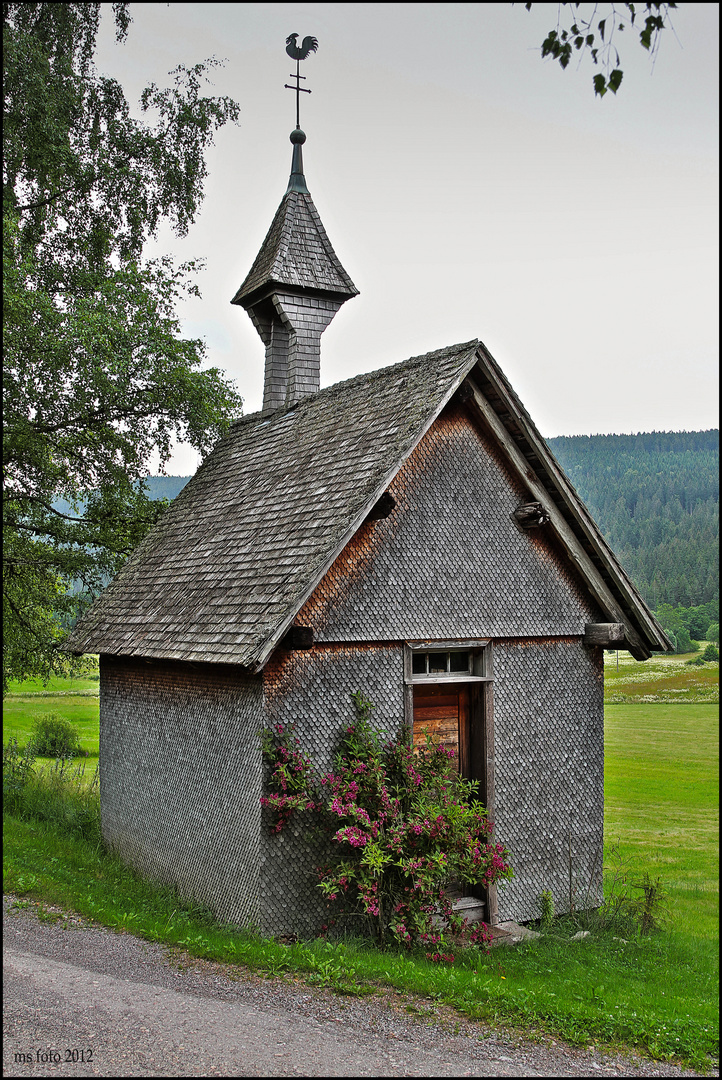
{"points": [[298, 53]]}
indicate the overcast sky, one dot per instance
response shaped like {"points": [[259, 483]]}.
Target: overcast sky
{"points": [[470, 189]]}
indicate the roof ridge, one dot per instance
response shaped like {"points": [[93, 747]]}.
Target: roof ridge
{"points": [[356, 380]]}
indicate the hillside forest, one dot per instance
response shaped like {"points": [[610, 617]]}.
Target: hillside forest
{"points": [[655, 497]]}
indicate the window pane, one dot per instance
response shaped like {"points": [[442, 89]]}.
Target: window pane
{"points": [[418, 663], [459, 661], [437, 662]]}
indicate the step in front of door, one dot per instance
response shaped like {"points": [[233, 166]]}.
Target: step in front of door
{"points": [[468, 907]]}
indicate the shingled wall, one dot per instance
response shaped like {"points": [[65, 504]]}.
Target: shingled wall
{"points": [[312, 689], [450, 562], [549, 777], [180, 777], [181, 772]]}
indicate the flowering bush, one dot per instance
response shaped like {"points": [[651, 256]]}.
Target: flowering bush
{"points": [[291, 780], [407, 828]]}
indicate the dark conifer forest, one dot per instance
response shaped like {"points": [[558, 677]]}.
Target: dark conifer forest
{"points": [[655, 497]]}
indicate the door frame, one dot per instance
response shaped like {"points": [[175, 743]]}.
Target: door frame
{"points": [[481, 718]]}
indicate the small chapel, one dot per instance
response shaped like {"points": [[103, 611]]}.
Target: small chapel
{"points": [[405, 533]]}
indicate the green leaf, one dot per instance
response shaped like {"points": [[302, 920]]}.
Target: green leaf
{"points": [[615, 80]]}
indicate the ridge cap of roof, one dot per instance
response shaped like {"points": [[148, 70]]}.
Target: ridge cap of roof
{"points": [[358, 380]]}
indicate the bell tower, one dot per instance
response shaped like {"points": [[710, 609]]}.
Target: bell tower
{"points": [[295, 286]]}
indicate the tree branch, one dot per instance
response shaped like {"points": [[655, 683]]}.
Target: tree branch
{"points": [[56, 195], [46, 506]]}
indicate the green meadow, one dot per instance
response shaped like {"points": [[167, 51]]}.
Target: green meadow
{"points": [[661, 783], [75, 699], [657, 993]]}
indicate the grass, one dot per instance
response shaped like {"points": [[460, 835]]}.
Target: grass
{"points": [[56, 684], [598, 991], [661, 797], [656, 993]]}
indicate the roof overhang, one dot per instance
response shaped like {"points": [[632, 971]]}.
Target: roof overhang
{"points": [[500, 410]]}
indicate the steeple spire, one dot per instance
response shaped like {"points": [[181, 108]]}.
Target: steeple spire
{"points": [[296, 284], [297, 181]]}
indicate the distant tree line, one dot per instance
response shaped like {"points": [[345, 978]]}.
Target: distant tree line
{"points": [[685, 626], [655, 497]]}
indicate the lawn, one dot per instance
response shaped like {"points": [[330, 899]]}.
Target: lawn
{"points": [[661, 796], [661, 789]]}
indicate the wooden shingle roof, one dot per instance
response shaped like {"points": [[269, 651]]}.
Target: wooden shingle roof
{"points": [[229, 565], [297, 253], [232, 560]]}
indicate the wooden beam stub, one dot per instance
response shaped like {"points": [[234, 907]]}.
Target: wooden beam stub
{"points": [[299, 637], [382, 508], [530, 515], [604, 633]]}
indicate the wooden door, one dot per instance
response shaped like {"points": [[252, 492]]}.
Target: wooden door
{"points": [[442, 711]]}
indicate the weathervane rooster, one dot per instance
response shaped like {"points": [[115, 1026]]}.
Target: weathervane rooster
{"points": [[309, 45]]}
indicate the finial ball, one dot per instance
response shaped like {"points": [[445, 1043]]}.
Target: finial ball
{"points": [[298, 136]]}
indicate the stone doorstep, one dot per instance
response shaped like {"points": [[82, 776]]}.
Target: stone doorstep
{"points": [[516, 932]]}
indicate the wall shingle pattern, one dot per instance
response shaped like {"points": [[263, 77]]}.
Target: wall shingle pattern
{"points": [[549, 744], [313, 690], [180, 778], [449, 561]]}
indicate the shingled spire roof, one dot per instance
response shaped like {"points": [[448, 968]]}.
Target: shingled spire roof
{"points": [[296, 252], [292, 292]]}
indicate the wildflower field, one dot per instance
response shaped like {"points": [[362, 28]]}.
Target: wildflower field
{"points": [[662, 679]]}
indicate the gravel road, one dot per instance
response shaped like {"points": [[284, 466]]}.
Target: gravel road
{"points": [[84, 1001]]}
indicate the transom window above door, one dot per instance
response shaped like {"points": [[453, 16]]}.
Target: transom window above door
{"points": [[440, 663], [457, 662]]}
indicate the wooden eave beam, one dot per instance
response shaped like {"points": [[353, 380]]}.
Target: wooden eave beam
{"points": [[583, 559]]}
